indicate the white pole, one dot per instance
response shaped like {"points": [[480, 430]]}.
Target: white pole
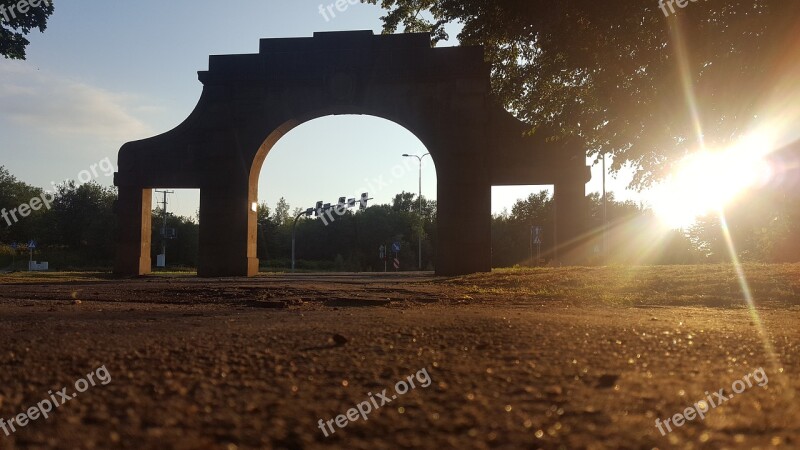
{"points": [[605, 211]]}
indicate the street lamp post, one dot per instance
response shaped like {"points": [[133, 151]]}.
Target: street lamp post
{"points": [[605, 214], [306, 213], [419, 250]]}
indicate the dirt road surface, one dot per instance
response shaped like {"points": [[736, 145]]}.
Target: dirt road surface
{"points": [[257, 363]]}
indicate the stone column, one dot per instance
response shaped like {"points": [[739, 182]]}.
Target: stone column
{"points": [[464, 208], [133, 209], [225, 247], [571, 216]]}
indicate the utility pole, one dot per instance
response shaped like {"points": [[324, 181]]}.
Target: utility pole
{"points": [[164, 226]]}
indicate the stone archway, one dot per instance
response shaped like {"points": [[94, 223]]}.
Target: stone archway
{"points": [[441, 95]]}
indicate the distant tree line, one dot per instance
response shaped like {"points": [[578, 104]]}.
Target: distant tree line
{"points": [[351, 241], [763, 227], [78, 230], [633, 235]]}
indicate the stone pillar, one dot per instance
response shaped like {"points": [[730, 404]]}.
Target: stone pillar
{"points": [[571, 216], [225, 247], [133, 209], [464, 211]]}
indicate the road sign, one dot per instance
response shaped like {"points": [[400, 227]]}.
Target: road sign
{"points": [[396, 264], [536, 239], [382, 251], [537, 234], [396, 247], [14, 245], [32, 244]]}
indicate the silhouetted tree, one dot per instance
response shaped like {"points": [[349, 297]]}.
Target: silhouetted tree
{"points": [[281, 215], [79, 231], [15, 25], [14, 193], [183, 249], [706, 236], [82, 220], [616, 73], [511, 233], [404, 202]]}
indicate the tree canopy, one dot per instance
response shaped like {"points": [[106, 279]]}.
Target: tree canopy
{"points": [[620, 75], [15, 25]]}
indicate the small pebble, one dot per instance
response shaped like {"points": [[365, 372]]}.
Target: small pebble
{"points": [[338, 339]]}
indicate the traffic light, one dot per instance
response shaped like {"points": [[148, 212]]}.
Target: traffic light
{"points": [[364, 199], [318, 209], [351, 203], [341, 203], [309, 212]]}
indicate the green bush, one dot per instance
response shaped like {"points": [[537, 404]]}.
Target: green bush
{"points": [[6, 256]]}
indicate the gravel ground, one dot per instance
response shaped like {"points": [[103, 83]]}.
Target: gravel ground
{"points": [[198, 364]]}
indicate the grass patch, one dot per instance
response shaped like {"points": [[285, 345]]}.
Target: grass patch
{"points": [[709, 285], [53, 277]]}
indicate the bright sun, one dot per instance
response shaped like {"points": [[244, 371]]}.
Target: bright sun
{"points": [[707, 181]]}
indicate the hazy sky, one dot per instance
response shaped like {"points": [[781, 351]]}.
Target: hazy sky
{"points": [[105, 73]]}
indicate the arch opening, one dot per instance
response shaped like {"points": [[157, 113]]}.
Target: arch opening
{"points": [[333, 156], [175, 229], [523, 225]]}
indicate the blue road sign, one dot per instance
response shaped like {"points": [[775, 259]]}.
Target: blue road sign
{"points": [[396, 247], [537, 235], [32, 244], [14, 245]]}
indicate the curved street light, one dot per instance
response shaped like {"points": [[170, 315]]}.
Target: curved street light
{"points": [[419, 158]]}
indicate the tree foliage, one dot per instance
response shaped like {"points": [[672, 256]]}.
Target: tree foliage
{"points": [[617, 73], [12, 194], [763, 226], [78, 230], [82, 218], [281, 215], [511, 233], [183, 249], [15, 26], [350, 241]]}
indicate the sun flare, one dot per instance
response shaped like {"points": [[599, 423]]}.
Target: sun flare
{"points": [[707, 181]]}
